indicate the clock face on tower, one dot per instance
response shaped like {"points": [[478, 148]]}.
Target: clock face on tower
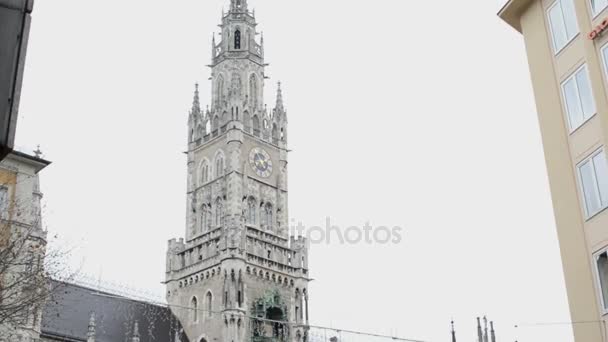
{"points": [[260, 162]]}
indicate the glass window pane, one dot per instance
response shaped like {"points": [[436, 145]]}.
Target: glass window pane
{"points": [[602, 270], [569, 18], [590, 191], [601, 174], [558, 29], [598, 5], [584, 88], [573, 104]]}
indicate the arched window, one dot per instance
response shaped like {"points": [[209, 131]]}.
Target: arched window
{"points": [[209, 304], [219, 166], [204, 172], [251, 218], [237, 40], [253, 91], [194, 309], [219, 212], [256, 126]]}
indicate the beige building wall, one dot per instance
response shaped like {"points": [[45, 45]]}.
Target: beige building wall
{"points": [[581, 237]]}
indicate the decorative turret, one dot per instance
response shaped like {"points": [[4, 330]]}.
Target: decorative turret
{"points": [[479, 332], [238, 6], [453, 333], [135, 337], [91, 332]]}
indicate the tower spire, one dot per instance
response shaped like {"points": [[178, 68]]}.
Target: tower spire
{"points": [[492, 333], [196, 103], [453, 332], [279, 104]]}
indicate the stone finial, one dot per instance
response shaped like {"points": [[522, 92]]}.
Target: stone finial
{"points": [[135, 337], [91, 331], [479, 333], [453, 332], [38, 152], [492, 333], [485, 329]]}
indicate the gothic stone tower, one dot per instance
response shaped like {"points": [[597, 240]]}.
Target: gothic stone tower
{"points": [[238, 275]]}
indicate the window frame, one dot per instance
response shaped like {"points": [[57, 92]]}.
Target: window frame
{"points": [[598, 280], [595, 14], [572, 76], [590, 215], [556, 50]]}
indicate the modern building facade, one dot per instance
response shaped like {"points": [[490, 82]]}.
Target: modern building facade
{"points": [[568, 59], [238, 275]]}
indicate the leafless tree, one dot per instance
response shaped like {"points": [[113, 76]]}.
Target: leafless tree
{"points": [[26, 265]]}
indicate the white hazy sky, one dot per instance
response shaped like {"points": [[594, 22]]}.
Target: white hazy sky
{"points": [[411, 113]]}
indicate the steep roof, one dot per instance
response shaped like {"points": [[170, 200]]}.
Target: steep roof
{"points": [[66, 317]]}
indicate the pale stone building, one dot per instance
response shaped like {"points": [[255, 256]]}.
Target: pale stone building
{"points": [[22, 247], [238, 275]]}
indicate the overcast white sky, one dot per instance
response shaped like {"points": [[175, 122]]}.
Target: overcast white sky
{"points": [[410, 113]]}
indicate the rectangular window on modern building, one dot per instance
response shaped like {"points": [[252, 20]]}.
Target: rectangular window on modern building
{"points": [[593, 176], [578, 98], [562, 21], [598, 5], [601, 262]]}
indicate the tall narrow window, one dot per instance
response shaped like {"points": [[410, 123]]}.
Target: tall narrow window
{"points": [[220, 89], [578, 98], [602, 273], [562, 19], [593, 175], [204, 218], [209, 304], [237, 40], [194, 309], [219, 166], [598, 5]]}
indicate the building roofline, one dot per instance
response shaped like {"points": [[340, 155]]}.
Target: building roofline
{"points": [[37, 162], [511, 12]]}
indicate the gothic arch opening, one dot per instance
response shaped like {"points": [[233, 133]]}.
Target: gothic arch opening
{"points": [[253, 91], [237, 39], [194, 306]]}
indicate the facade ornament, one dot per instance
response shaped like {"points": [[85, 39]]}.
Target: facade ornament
{"points": [[135, 337], [91, 332]]}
